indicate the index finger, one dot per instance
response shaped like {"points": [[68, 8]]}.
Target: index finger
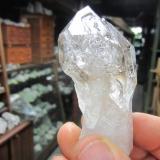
{"points": [[147, 132]]}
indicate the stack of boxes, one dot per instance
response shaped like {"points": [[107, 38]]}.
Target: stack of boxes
{"points": [[17, 43], [42, 33], [30, 43]]}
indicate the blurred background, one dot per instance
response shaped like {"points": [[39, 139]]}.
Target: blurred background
{"points": [[36, 96]]}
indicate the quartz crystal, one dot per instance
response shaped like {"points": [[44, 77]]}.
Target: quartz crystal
{"points": [[102, 64]]}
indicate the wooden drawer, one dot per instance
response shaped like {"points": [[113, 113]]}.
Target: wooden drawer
{"points": [[4, 152], [18, 55]]}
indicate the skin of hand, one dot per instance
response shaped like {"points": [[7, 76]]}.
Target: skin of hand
{"points": [[146, 135]]}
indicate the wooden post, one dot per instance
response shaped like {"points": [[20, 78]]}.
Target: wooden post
{"points": [[58, 92], [3, 72]]}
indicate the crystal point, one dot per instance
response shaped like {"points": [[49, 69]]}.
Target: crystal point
{"points": [[101, 63]]}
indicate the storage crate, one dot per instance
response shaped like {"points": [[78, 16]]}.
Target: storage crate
{"points": [[42, 37], [16, 35], [18, 54]]}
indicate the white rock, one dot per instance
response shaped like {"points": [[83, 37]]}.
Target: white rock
{"points": [[39, 8], [38, 148], [3, 126], [11, 119], [102, 64], [59, 124]]}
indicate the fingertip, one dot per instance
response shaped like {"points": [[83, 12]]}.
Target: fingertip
{"points": [[69, 128], [67, 137], [146, 130]]}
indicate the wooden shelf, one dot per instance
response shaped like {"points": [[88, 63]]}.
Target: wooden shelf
{"points": [[47, 150], [32, 81], [9, 134], [19, 139], [30, 66]]}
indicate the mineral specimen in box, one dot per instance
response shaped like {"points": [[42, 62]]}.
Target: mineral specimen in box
{"points": [[102, 64]]}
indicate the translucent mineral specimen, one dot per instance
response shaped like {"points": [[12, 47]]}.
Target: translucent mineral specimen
{"points": [[102, 64]]}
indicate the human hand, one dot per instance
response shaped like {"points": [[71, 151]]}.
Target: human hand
{"points": [[146, 142]]}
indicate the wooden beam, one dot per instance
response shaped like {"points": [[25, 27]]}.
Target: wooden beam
{"points": [[4, 73], [13, 132]]}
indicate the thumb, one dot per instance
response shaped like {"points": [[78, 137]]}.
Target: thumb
{"points": [[91, 147], [98, 148]]}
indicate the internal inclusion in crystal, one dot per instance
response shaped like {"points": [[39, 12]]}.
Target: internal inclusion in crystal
{"points": [[101, 63]]}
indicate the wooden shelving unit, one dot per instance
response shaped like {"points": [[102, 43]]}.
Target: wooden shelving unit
{"points": [[10, 142], [17, 143], [58, 112]]}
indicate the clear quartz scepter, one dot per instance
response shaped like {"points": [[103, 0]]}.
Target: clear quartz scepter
{"points": [[102, 64]]}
